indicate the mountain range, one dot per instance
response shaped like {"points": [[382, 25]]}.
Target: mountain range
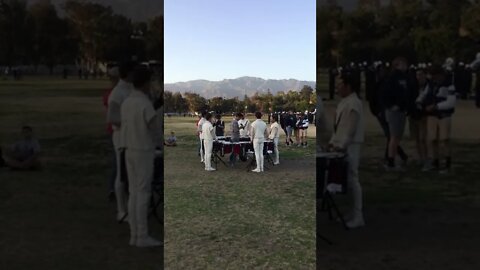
{"points": [[230, 88]]}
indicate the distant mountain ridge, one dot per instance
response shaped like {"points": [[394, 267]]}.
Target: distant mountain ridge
{"points": [[230, 88]]}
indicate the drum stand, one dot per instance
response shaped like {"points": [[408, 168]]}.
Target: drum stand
{"points": [[216, 158], [328, 203]]}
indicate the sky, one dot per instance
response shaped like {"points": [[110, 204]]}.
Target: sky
{"points": [[226, 39]]}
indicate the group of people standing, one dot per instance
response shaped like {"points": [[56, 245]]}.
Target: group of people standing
{"points": [[295, 126], [135, 127], [209, 128], [425, 97]]}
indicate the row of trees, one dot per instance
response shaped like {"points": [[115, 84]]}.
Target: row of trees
{"points": [[89, 34], [422, 30], [302, 100]]}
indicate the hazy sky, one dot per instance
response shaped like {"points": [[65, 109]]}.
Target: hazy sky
{"points": [[226, 39]]}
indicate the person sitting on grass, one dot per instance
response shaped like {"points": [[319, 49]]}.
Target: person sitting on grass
{"points": [[172, 140], [24, 154]]}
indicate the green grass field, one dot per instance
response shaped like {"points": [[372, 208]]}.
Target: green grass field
{"points": [[234, 219]]}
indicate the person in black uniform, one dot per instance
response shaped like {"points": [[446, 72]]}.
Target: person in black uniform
{"points": [[219, 125]]}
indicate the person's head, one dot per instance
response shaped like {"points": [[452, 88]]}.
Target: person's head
{"points": [[27, 132], [438, 74], [208, 117], [290, 112], [345, 83], [125, 70], [141, 78], [421, 76], [113, 75], [275, 118], [218, 116], [238, 116], [172, 133], [204, 113], [258, 115], [400, 63]]}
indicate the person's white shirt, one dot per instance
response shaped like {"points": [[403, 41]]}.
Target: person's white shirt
{"points": [[119, 93], [274, 131], [208, 132], [138, 122], [349, 122], [258, 130], [245, 131], [200, 127]]}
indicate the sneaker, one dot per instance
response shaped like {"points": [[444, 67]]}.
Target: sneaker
{"points": [[210, 169], [356, 222], [256, 170], [148, 242], [276, 163]]}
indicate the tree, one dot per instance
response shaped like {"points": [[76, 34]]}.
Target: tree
{"points": [[15, 36], [195, 102]]}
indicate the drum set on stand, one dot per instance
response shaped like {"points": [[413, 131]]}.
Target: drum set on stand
{"points": [[223, 145]]}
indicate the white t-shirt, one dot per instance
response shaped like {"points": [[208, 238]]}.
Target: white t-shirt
{"points": [[119, 93], [258, 129], [274, 131], [200, 127], [137, 112], [208, 132], [245, 131], [349, 121]]}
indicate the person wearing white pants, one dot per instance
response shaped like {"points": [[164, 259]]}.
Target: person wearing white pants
{"points": [[348, 135], [139, 126], [275, 136], [119, 93], [258, 132], [208, 133], [200, 136]]}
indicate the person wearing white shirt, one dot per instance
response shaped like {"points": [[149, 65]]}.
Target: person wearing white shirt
{"points": [[275, 135], [200, 136], [208, 133], [258, 132], [244, 125], [119, 93], [348, 136], [139, 127]]}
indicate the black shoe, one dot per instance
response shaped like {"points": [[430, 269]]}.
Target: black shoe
{"points": [[111, 196]]}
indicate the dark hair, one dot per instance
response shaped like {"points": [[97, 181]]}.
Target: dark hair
{"points": [[398, 60], [218, 116], [239, 115], [125, 67], [258, 115], [347, 78], [204, 113], [29, 128], [208, 116], [141, 76], [275, 117]]}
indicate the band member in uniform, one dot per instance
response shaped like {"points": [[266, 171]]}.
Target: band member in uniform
{"points": [[348, 136], [235, 137], [258, 132], [275, 136], [219, 125], [244, 125], [440, 102], [208, 133], [119, 93], [200, 136], [138, 131]]}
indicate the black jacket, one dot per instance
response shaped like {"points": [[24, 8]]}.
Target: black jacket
{"points": [[397, 91]]}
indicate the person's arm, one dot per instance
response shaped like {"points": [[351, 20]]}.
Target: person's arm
{"points": [[113, 113], [450, 102], [265, 133]]}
